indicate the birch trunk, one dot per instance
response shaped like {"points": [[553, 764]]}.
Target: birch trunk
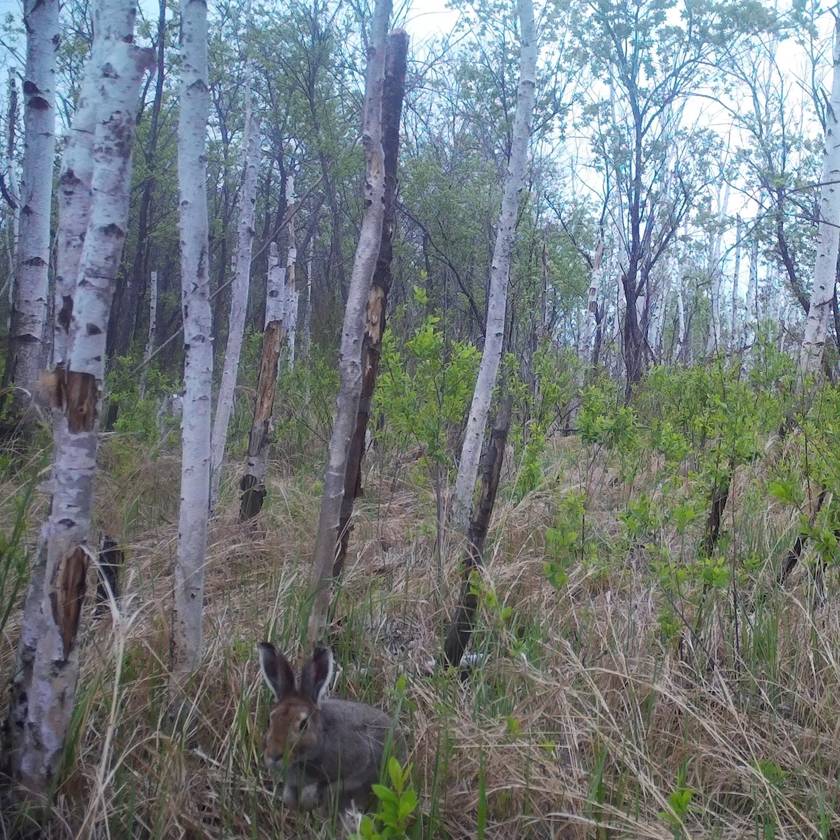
{"points": [[14, 193], [499, 271], [110, 19], [290, 306], [253, 480], [825, 267], [29, 314], [185, 643], [392, 102], [306, 338], [150, 337], [350, 352], [591, 312], [682, 338], [713, 344], [238, 296], [734, 325], [43, 691], [751, 316]]}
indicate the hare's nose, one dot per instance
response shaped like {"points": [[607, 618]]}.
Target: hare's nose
{"points": [[273, 759]]}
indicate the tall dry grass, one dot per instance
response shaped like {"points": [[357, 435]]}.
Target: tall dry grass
{"points": [[579, 720]]}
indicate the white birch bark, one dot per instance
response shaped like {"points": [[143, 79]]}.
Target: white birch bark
{"points": [[110, 19], [752, 315], [290, 306], [186, 641], [657, 325], [150, 337], [14, 192], [681, 336], [350, 365], [238, 296], [735, 321], [589, 314], [275, 288], [306, 337], [825, 267], [499, 271], [713, 343], [48, 656], [29, 315]]}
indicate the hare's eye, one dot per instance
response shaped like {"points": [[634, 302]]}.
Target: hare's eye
{"points": [[302, 724]]}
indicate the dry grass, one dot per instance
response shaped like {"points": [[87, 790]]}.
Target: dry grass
{"points": [[580, 722]]}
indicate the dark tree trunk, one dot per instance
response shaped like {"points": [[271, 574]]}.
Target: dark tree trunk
{"points": [[720, 496], [111, 560], [392, 99], [460, 630]]}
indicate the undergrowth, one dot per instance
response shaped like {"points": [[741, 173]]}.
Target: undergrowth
{"points": [[630, 675]]}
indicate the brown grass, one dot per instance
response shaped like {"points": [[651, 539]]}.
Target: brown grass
{"points": [[579, 722]]}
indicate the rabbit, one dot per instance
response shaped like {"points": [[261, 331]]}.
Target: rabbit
{"points": [[332, 748]]}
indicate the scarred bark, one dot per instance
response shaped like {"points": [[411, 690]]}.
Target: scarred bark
{"points": [[276, 297], [238, 297], [393, 92], [350, 354], [43, 689], [499, 270]]}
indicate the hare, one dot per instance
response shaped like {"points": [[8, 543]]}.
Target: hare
{"points": [[331, 749]]}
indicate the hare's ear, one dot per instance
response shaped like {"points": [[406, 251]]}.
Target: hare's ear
{"points": [[276, 671], [317, 675]]}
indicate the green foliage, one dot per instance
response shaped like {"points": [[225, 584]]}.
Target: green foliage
{"points": [[138, 416], [424, 389], [564, 543], [555, 380], [604, 421], [396, 806], [679, 804]]}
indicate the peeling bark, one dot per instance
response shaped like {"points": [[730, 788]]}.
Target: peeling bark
{"points": [[393, 92], [350, 354], [43, 688], [253, 479]]}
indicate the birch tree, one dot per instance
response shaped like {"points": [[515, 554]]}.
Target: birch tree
{"points": [[292, 297], [352, 332], [43, 690], [499, 271], [713, 342], [12, 193], [825, 266], [253, 480], [238, 295], [29, 314], [198, 343], [734, 324], [150, 337], [392, 102]]}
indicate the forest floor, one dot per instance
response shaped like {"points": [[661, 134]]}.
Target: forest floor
{"points": [[587, 713]]}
